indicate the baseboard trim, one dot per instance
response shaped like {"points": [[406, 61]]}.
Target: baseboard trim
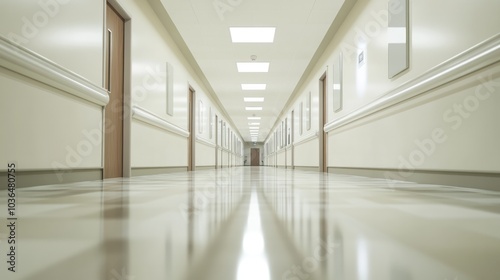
{"points": [[207, 167], [476, 180], [145, 171], [307, 168], [31, 178]]}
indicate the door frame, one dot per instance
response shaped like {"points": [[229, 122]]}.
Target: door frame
{"points": [[192, 128], [127, 86], [216, 141], [292, 134], [323, 109]]}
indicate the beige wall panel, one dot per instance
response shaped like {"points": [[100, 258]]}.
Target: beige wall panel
{"points": [[43, 128], [289, 157], [281, 158], [170, 149], [307, 154], [429, 132], [68, 32], [205, 155]]}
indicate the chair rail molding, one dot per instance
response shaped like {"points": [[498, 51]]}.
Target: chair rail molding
{"points": [[154, 120], [306, 139], [473, 59], [205, 142], [34, 66]]}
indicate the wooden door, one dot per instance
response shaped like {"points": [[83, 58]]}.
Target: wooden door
{"points": [[113, 144], [255, 156]]}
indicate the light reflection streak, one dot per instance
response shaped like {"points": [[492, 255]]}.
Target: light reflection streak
{"points": [[253, 263]]}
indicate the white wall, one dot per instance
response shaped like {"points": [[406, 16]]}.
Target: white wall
{"points": [[152, 48], [385, 139], [48, 126], [45, 128], [68, 32]]}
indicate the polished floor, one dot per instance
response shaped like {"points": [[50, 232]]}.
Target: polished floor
{"points": [[253, 223]]}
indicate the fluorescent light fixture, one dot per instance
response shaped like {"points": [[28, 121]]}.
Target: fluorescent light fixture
{"points": [[254, 123], [397, 35], [253, 108], [253, 67], [252, 34], [253, 118], [336, 86], [253, 99], [253, 127], [253, 86]]}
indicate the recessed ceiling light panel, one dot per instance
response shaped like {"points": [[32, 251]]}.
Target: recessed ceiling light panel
{"points": [[253, 99], [253, 108], [252, 34], [253, 67], [253, 86]]}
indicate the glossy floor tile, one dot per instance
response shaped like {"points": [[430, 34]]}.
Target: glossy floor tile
{"points": [[252, 223]]}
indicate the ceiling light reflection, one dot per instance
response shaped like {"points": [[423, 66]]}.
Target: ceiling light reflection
{"points": [[253, 263]]}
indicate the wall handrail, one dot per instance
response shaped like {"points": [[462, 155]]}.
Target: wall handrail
{"points": [[205, 142], [143, 115], [306, 139], [473, 59], [32, 65]]}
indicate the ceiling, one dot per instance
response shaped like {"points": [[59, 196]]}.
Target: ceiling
{"points": [[300, 28]]}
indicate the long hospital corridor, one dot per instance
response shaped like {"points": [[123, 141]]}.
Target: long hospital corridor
{"points": [[249, 140], [257, 223]]}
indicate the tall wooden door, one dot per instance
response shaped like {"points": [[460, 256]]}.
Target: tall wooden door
{"points": [[113, 144], [255, 157]]}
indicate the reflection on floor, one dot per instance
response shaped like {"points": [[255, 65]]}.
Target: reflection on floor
{"points": [[253, 223]]}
